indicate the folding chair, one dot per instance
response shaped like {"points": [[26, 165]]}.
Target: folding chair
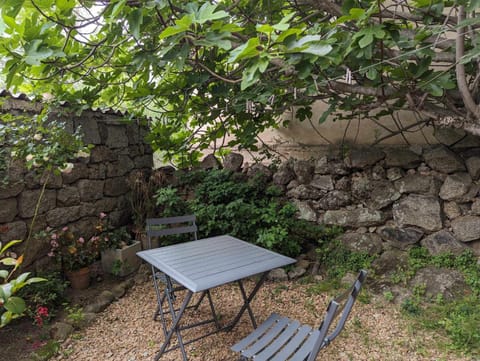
{"points": [[161, 227], [280, 338]]}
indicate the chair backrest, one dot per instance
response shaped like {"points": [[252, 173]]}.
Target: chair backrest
{"points": [[337, 311], [160, 227]]}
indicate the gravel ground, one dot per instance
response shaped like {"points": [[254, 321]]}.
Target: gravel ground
{"points": [[125, 331]]}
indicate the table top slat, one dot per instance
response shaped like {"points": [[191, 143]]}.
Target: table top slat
{"points": [[210, 262]]}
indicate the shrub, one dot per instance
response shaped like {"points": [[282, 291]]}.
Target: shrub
{"points": [[51, 293], [11, 305], [248, 208]]}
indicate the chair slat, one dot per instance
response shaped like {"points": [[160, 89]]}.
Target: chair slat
{"points": [[292, 344], [302, 353], [266, 338], [170, 231], [171, 220], [259, 331], [281, 339]]}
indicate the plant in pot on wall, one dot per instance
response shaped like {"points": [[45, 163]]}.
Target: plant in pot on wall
{"points": [[119, 250], [75, 255]]}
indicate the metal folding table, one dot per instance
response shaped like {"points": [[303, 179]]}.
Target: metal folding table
{"points": [[205, 264]]}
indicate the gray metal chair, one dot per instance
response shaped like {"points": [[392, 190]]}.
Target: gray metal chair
{"points": [[280, 338], [168, 226]]}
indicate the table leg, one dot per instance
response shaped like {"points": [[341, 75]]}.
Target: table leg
{"points": [[246, 303], [176, 317]]}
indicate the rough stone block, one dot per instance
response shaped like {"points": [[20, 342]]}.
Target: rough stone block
{"points": [[455, 186], [473, 166], [90, 190], [304, 171], [358, 217], [324, 182], [444, 160], [400, 238], [14, 230], [79, 170], [27, 202], [89, 129], [305, 211], [369, 243], [418, 210], [441, 242], [403, 158], [8, 210], [60, 216], [363, 157], [11, 190], [233, 162], [116, 186], [414, 183], [68, 196], [97, 171], [120, 168], [101, 154], [116, 136], [144, 161], [466, 228]]}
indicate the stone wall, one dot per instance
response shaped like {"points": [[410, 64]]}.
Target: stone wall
{"points": [[96, 184], [390, 199]]}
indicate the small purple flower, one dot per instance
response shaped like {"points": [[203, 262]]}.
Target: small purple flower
{"points": [[65, 229], [102, 215], [54, 243], [81, 240]]}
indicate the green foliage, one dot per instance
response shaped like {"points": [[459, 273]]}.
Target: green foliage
{"points": [[420, 258], [226, 203], [50, 293], [75, 315], [42, 142], [170, 203], [458, 319], [337, 260], [11, 305], [388, 296], [249, 61], [47, 351], [461, 321], [250, 209], [117, 267]]}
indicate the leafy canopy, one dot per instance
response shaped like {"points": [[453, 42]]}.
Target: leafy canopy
{"points": [[222, 72]]}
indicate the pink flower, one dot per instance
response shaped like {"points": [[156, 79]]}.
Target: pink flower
{"points": [[54, 236], [54, 243], [51, 254], [42, 311], [65, 229], [102, 215], [81, 240]]}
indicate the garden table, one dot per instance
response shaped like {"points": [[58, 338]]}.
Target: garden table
{"points": [[205, 264]]}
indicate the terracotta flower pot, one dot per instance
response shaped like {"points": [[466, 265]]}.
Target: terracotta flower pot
{"points": [[79, 279]]}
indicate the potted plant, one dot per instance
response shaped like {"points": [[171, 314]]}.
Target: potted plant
{"points": [[119, 252], [75, 255]]}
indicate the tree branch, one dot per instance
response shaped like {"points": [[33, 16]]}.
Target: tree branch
{"points": [[470, 104]]}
